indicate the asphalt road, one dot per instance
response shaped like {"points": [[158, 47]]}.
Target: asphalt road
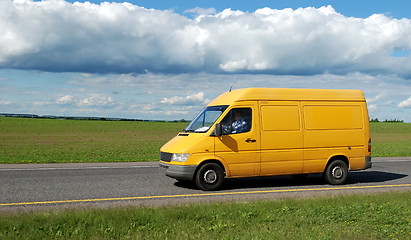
{"points": [[28, 186]]}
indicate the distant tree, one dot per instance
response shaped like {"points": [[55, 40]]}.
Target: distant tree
{"points": [[393, 121]]}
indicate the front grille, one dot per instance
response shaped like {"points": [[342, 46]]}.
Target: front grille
{"points": [[165, 156]]}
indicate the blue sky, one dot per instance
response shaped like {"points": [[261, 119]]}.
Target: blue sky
{"points": [[350, 8], [165, 60]]}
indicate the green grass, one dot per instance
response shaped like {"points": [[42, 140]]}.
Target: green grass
{"points": [[25, 140], [379, 216], [391, 139], [46, 140]]}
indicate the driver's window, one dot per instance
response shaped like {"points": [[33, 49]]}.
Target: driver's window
{"points": [[238, 120]]}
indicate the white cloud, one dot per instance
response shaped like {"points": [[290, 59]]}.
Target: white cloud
{"points": [[372, 107], [68, 99], [388, 103], [58, 36], [96, 101], [2, 102], [201, 11], [232, 66], [194, 99], [375, 99], [405, 104]]}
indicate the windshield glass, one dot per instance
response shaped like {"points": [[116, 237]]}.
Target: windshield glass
{"points": [[205, 119]]}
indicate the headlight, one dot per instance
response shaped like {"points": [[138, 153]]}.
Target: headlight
{"points": [[180, 157]]}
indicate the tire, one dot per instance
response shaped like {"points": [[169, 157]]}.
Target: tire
{"points": [[336, 173], [209, 177]]}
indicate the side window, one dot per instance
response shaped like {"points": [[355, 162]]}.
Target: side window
{"points": [[238, 120]]}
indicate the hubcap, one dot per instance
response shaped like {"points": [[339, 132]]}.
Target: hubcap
{"points": [[210, 176], [337, 172]]}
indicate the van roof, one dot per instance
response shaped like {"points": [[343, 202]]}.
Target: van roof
{"points": [[285, 94]]}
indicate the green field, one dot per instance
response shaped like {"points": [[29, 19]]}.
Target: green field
{"points": [[25, 140], [379, 216], [391, 139]]}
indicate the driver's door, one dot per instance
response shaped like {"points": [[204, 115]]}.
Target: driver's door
{"points": [[240, 149]]}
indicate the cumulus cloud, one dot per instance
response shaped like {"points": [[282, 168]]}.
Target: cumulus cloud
{"points": [[372, 107], [68, 99], [58, 36], [406, 103], [2, 102], [375, 99], [96, 101], [194, 99], [201, 11], [93, 101]]}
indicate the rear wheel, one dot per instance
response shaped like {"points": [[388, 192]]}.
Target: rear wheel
{"points": [[209, 176], [336, 173]]}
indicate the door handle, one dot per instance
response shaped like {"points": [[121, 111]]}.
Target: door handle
{"points": [[250, 140]]}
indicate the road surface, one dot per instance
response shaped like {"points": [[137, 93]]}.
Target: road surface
{"points": [[28, 186]]}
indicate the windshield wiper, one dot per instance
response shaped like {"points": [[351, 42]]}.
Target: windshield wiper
{"points": [[190, 130]]}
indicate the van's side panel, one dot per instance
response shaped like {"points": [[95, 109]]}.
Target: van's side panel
{"points": [[281, 137], [332, 128]]}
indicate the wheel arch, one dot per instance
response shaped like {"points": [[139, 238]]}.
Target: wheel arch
{"points": [[212, 161], [338, 157]]}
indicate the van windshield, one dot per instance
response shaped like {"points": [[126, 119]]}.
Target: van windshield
{"points": [[205, 119]]}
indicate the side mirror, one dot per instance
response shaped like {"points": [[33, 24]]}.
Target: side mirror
{"points": [[218, 130]]}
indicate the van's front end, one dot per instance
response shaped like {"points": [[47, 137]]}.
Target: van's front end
{"points": [[180, 157]]}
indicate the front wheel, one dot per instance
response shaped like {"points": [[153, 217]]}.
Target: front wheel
{"points": [[336, 173], [209, 177]]}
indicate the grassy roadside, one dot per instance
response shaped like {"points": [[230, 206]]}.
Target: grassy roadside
{"points": [[377, 216], [391, 139], [25, 140]]}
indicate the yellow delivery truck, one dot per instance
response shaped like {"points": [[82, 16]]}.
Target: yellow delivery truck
{"points": [[271, 131]]}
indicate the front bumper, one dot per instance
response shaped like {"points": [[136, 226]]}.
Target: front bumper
{"points": [[368, 162], [177, 171]]}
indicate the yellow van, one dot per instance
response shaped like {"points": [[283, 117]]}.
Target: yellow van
{"points": [[270, 131]]}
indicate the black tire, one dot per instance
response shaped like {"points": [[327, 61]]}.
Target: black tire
{"points": [[209, 177], [336, 173]]}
